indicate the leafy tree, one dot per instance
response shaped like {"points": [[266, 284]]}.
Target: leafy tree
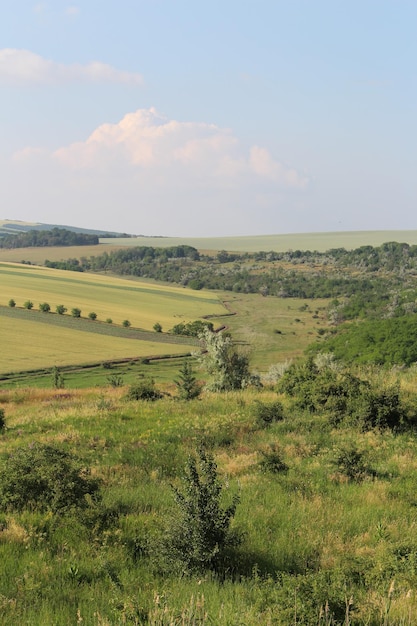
{"points": [[61, 309], [44, 307], [157, 327], [75, 312], [187, 385], [12, 303], [228, 368], [44, 477], [92, 315], [28, 305], [126, 323], [199, 536], [109, 320]]}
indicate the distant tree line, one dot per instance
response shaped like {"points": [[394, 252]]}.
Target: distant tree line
{"points": [[48, 238]]}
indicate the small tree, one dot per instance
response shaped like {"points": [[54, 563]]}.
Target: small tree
{"points": [[44, 307], [187, 385], [109, 320], [75, 312], [157, 327], [2, 421], [57, 379], [126, 323], [143, 390], [61, 309], [199, 535], [228, 368], [28, 305], [12, 303], [92, 315]]}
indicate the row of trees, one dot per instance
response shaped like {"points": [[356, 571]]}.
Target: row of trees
{"points": [[48, 238]]}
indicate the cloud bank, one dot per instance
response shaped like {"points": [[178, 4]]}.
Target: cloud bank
{"points": [[23, 67], [149, 174]]}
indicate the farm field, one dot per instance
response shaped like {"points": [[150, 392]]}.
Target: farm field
{"points": [[278, 243], [32, 340]]}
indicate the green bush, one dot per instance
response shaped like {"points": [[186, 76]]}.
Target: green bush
{"points": [[187, 385], [92, 315], [126, 323], [61, 309], [28, 305], [143, 390], [272, 461], [266, 414], [2, 421], [198, 537], [352, 462], [12, 303], [44, 307], [43, 477], [76, 312]]}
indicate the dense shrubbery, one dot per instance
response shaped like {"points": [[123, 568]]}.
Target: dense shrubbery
{"points": [[43, 477], [43, 238], [143, 390]]}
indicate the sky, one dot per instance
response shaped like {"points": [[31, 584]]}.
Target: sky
{"points": [[208, 117]]}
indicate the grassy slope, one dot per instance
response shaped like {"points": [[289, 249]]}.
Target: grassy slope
{"points": [[310, 538]]}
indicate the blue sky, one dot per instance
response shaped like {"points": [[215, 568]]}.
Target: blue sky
{"points": [[193, 118]]}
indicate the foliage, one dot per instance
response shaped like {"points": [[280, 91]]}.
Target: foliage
{"points": [[115, 380], [228, 368], [61, 309], [199, 535], [12, 303], [272, 461], [53, 237], [187, 385], [157, 327], [44, 477], [44, 307], [58, 381], [143, 390], [352, 462], [2, 421], [192, 329], [109, 320], [92, 315], [126, 323], [28, 304], [76, 312], [267, 413]]}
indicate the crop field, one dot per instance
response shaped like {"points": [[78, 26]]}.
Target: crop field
{"points": [[31, 339], [278, 243]]}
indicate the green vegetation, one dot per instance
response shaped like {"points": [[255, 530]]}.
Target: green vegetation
{"points": [[44, 238]]}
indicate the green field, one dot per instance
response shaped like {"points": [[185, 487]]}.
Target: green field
{"points": [[32, 340]]}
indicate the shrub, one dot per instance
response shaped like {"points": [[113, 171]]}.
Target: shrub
{"points": [[187, 385], [57, 379], [266, 414], [28, 305], [44, 307], [2, 421], [12, 303], [352, 462], [157, 327], [109, 320], [60, 309], [92, 315], [126, 323], [199, 536], [143, 390], [115, 380], [272, 461], [43, 477], [75, 312]]}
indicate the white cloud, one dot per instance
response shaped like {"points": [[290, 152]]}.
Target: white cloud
{"points": [[72, 11], [23, 67], [145, 140], [153, 175]]}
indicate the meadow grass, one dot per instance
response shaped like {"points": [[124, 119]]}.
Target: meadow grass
{"points": [[315, 545]]}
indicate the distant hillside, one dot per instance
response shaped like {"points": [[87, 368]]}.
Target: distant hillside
{"points": [[10, 227]]}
